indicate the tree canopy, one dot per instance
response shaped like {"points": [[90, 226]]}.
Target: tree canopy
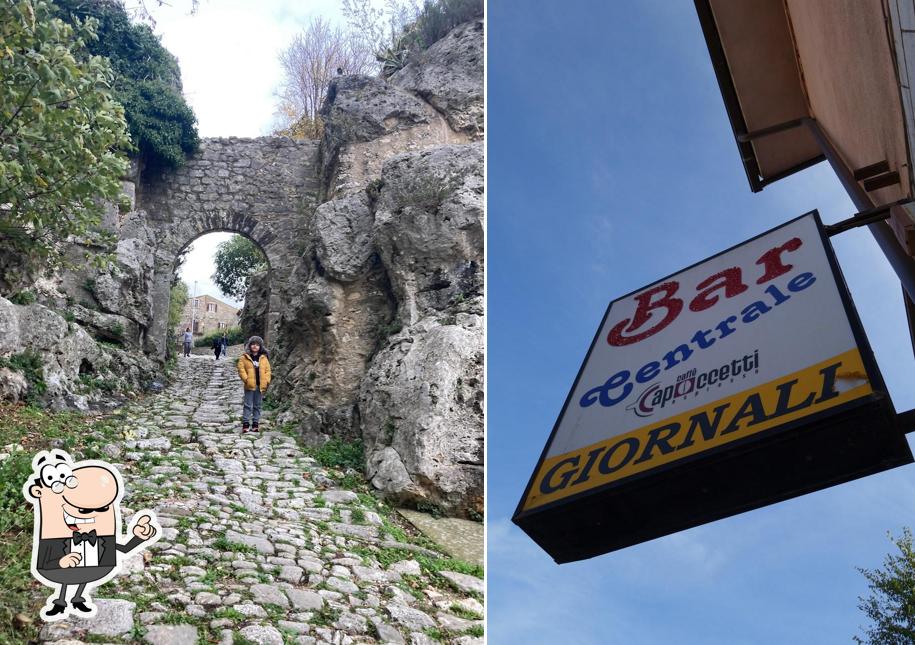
{"points": [[891, 604], [147, 82], [237, 259], [178, 298], [60, 132]]}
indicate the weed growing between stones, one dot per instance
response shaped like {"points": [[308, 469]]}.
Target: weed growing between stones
{"points": [[336, 453], [24, 297], [223, 544], [28, 363], [463, 612]]}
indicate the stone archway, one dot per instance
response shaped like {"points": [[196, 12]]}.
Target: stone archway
{"points": [[244, 228], [265, 189]]}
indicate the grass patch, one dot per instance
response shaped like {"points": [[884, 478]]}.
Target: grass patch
{"points": [[325, 616], [462, 612], [231, 613], [222, 543], [215, 574], [352, 481], [336, 453], [24, 297]]}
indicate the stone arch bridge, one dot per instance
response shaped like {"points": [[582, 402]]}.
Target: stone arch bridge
{"points": [[263, 188]]}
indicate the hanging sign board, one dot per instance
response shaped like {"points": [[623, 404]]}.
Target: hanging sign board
{"points": [[740, 381]]}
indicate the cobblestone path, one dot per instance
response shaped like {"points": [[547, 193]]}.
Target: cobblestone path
{"points": [[260, 543]]}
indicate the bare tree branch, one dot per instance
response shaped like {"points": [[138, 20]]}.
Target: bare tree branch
{"points": [[311, 61]]}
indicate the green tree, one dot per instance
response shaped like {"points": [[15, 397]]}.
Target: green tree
{"points": [[60, 129], [891, 604], [237, 259], [147, 82], [177, 300]]}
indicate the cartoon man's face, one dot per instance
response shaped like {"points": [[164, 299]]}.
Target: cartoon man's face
{"points": [[81, 499]]}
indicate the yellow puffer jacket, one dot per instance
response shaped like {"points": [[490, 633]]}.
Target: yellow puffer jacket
{"points": [[246, 371]]}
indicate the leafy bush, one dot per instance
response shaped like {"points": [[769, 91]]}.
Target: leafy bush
{"points": [[24, 297], [177, 299], [147, 82], [235, 334], [336, 453], [436, 19], [60, 131]]}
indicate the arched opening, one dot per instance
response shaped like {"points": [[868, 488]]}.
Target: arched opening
{"points": [[214, 275]]}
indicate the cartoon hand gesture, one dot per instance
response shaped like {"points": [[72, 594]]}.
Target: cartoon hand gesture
{"points": [[144, 530], [70, 560]]}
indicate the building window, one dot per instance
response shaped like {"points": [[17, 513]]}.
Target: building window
{"points": [[211, 306], [220, 325], [196, 327], [196, 302]]}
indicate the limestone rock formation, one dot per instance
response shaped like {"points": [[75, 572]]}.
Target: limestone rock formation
{"points": [[421, 407], [381, 331], [421, 400], [449, 75], [429, 228], [343, 230], [65, 352]]}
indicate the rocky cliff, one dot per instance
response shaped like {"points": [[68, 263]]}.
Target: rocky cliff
{"points": [[372, 305], [382, 329]]}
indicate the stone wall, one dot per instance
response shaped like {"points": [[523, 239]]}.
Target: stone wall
{"points": [[265, 189]]}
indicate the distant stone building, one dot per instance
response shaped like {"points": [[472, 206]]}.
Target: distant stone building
{"points": [[206, 314]]}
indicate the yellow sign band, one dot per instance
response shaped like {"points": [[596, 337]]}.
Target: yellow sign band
{"points": [[803, 393]]}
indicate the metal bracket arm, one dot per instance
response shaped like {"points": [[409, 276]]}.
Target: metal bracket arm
{"points": [[864, 217]]}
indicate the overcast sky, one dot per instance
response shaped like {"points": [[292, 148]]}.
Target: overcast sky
{"points": [[611, 163], [228, 52]]}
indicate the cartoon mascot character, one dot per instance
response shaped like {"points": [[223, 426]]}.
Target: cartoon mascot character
{"points": [[77, 529]]}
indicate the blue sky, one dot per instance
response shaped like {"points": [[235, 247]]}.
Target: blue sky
{"points": [[611, 164]]}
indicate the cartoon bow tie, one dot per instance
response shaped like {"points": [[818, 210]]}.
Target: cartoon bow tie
{"points": [[85, 537]]}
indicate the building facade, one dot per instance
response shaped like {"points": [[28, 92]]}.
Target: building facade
{"points": [[206, 314]]}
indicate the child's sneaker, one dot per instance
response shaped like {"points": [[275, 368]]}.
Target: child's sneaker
{"points": [[255, 427], [244, 428]]}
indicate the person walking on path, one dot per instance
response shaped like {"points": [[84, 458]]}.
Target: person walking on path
{"points": [[219, 345], [254, 370], [188, 339]]}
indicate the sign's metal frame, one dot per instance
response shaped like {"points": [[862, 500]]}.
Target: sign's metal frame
{"points": [[879, 397]]}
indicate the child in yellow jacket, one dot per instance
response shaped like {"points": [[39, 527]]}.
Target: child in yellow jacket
{"points": [[254, 370]]}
